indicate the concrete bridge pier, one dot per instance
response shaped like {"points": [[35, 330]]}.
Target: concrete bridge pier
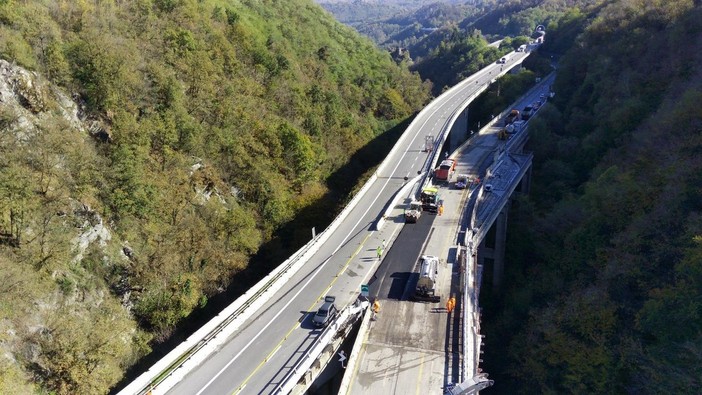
{"points": [[459, 131], [496, 254], [500, 245], [525, 184]]}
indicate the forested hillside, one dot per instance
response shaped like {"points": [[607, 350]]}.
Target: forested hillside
{"points": [[150, 151], [604, 272], [456, 50], [407, 29], [358, 13], [445, 41]]}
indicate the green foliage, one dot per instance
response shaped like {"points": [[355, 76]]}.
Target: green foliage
{"points": [[218, 124], [99, 69], [457, 57], [298, 152], [406, 26], [14, 380], [165, 304], [82, 350], [392, 106], [14, 47], [132, 194], [608, 255]]}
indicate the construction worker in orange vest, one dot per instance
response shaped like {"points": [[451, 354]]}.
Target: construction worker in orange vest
{"points": [[375, 309], [451, 304]]}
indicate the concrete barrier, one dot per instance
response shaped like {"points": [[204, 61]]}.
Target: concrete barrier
{"points": [[328, 336], [168, 371], [355, 351]]}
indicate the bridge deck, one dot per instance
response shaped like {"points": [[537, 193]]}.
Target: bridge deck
{"points": [[412, 347]]}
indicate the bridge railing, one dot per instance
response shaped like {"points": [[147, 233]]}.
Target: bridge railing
{"points": [[473, 238], [168, 371], [346, 318]]}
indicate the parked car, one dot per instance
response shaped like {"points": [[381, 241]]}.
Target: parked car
{"points": [[326, 313], [462, 181]]}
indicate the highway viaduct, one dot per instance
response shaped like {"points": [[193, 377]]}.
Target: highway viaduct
{"points": [[254, 344], [421, 347]]}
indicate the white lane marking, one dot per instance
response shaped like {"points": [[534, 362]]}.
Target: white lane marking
{"points": [[320, 267], [264, 328], [303, 287]]}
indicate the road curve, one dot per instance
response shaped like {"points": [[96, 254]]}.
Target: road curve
{"points": [[256, 357]]}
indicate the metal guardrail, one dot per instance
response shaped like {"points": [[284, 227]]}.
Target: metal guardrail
{"points": [[174, 360], [164, 368], [429, 164], [346, 318], [472, 242]]}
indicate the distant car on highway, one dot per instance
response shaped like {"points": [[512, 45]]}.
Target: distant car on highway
{"points": [[515, 127], [326, 313], [502, 61], [527, 112]]}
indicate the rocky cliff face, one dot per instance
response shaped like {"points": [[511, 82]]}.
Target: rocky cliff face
{"points": [[28, 102], [65, 290]]}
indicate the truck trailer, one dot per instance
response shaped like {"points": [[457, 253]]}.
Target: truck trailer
{"points": [[445, 170], [428, 273]]}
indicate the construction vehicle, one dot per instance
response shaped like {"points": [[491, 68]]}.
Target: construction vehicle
{"points": [[511, 117], [426, 285], [413, 213], [445, 170], [430, 199]]}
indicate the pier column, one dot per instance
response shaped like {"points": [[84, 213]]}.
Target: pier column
{"points": [[500, 244], [459, 131], [525, 183]]}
